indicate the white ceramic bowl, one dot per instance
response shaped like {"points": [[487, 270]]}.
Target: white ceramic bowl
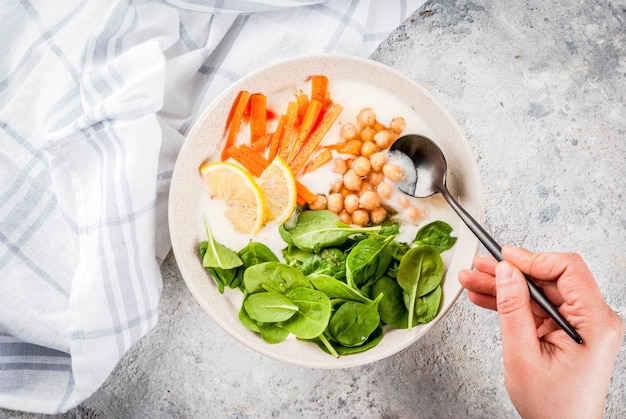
{"points": [[205, 137]]}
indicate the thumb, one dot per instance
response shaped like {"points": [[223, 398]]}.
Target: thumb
{"points": [[517, 324]]}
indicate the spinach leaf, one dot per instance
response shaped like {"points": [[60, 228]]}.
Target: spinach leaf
{"points": [[273, 276], [427, 306], [217, 255], [252, 254], [391, 308], [313, 313], [270, 332], [367, 261], [269, 307], [336, 289], [224, 277], [316, 229], [354, 322], [437, 235], [329, 261], [335, 349], [420, 272]]}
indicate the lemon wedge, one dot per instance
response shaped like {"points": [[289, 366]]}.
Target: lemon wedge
{"points": [[279, 188], [244, 199]]}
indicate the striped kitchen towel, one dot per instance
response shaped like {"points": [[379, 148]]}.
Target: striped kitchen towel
{"points": [[95, 100]]}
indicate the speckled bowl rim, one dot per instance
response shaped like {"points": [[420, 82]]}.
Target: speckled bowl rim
{"points": [[205, 136]]}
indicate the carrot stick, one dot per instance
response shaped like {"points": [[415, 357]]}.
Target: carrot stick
{"points": [[290, 130], [235, 122], [347, 147], [320, 159], [258, 116], [319, 88], [315, 139], [305, 193], [248, 158], [262, 142], [308, 123], [303, 103], [276, 138]]}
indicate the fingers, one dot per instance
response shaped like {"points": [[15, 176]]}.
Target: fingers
{"points": [[517, 322]]}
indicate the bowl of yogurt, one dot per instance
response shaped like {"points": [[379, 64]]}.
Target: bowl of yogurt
{"points": [[356, 84]]}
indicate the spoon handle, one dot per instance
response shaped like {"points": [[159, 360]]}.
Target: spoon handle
{"points": [[496, 250]]}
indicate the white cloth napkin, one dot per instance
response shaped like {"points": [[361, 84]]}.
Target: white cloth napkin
{"points": [[95, 100]]}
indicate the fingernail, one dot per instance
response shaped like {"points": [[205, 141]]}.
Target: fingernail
{"points": [[504, 272]]}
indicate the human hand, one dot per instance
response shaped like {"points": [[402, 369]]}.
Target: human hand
{"points": [[547, 374]]}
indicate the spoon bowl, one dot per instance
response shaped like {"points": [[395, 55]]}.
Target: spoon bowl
{"points": [[430, 166]]}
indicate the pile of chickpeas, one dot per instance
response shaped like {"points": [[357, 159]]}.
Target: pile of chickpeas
{"points": [[360, 196]]}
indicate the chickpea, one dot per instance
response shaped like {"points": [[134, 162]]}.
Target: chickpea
{"points": [[378, 215], [368, 134], [348, 132], [397, 125], [336, 185], [375, 178], [414, 213], [360, 217], [385, 190], [393, 173], [384, 138], [378, 126], [319, 203], [344, 192], [368, 148], [340, 166], [349, 163], [366, 186], [344, 217], [361, 166], [335, 202], [366, 118], [369, 200], [351, 203], [352, 181], [378, 160]]}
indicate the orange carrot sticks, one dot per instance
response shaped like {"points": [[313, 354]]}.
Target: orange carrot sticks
{"points": [[258, 116], [303, 103], [304, 193], [315, 139], [320, 159], [290, 131], [347, 147], [248, 158], [276, 138], [235, 122], [319, 88], [304, 131]]}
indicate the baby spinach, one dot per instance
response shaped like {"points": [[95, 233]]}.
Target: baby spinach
{"points": [[317, 229], [217, 255], [420, 272], [273, 276], [367, 261], [391, 307], [269, 307], [354, 322], [313, 313], [437, 234], [427, 306], [336, 289]]}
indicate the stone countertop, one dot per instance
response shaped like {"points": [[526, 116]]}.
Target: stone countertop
{"points": [[539, 89]]}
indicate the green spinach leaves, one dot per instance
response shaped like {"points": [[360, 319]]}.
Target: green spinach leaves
{"points": [[340, 286]]}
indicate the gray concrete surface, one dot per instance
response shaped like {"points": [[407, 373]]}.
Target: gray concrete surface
{"points": [[539, 88]]}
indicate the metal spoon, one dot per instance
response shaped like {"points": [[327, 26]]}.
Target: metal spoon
{"points": [[431, 168]]}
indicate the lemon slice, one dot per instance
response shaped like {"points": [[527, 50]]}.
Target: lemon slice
{"points": [[279, 188], [245, 204]]}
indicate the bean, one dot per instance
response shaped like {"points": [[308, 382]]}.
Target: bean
{"points": [[335, 202], [368, 134], [351, 203], [336, 185], [348, 132], [352, 181], [340, 166], [369, 200], [368, 148], [414, 213], [375, 178], [384, 138], [385, 190], [378, 160], [378, 215], [360, 217], [344, 217], [361, 166], [319, 203], [397, 125], [393, 173], [366, 118], [403, 201]]}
